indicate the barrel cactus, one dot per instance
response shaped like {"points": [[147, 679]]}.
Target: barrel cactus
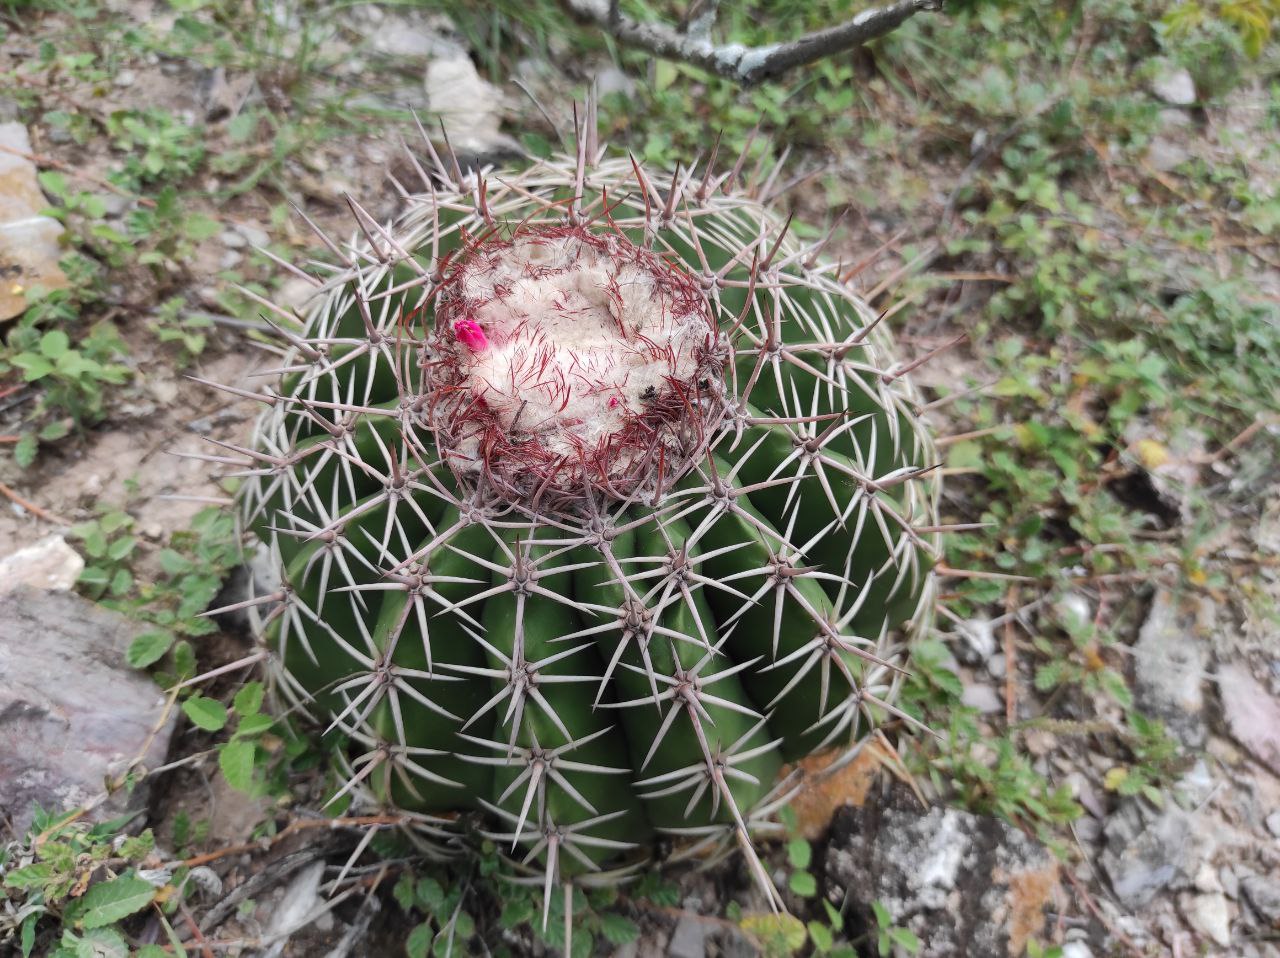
{"points": [[598, 500]]}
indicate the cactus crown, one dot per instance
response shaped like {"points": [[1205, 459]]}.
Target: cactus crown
{"points": [[569, 363], [595, 498]]}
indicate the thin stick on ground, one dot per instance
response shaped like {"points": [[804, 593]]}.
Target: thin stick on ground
{"points": [[293, 828], [31, 507], [41, 159]]}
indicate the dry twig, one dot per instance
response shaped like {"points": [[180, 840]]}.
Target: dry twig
{"points": [[745, 65], [31, 507]]}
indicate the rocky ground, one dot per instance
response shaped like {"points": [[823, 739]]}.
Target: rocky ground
{"points": [[1187, 863]]}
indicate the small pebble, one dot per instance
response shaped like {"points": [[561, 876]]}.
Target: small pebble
{"points": [[1273, 823], [997, 665], [984, 698], [1229, 881], [252, 234]]}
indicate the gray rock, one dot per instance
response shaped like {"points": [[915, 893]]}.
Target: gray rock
{"points": [[1197, 785], [1209, 915], [1073, 611], [979, 641], [1252, 713], [1174, 86], [611, 80], [1175, 119], [469, 107], [1169, 664], [1263, 893], [29, 250], [413, 34], [984, 698], [406, 41], [1146, 854], [49, 564], [997, 665], [963, 884], [689, 940], [297, 294], [1273, 823], [298, 902], [254, 235], [1164, 155], [1229, 882], [114, 205], [72, 714]]}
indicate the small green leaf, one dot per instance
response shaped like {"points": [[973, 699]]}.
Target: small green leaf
{"points": [[173, 563], [29, 876], [776, 931], [799, 853], [834, 918], [95, 543], [100, 943], [206, 713], [33, 367], [24, 452], [403, 891], [148, 648], [53, 183], [29, 933], [430, 895], [584, 944], [55, 430], [821, 936], [236, 761], [516, 911], [121, 582], [618, 929], [198, 226], [120, 548], [418, 944], [883, 918], [905, 939], [184, 659], [108, 902], [253, 725], [248, 700], [115, 520], [803, 884], [55, 343]]}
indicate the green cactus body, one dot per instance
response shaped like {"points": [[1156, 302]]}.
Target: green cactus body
{"points": [[618, 617]]}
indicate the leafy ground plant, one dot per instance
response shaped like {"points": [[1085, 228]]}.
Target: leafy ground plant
{"points": [[85, 878]]}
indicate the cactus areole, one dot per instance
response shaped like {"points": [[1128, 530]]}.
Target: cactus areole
{"points": [[598, 499]]}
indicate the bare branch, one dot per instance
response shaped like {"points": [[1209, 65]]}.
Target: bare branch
{"points": [[699, 19], [745, 65]]}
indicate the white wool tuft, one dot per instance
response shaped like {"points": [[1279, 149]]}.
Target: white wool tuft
{"points": [[576, 340]]}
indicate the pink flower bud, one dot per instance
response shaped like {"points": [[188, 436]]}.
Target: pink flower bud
{"points": [[613, 402], [471, 335]]}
